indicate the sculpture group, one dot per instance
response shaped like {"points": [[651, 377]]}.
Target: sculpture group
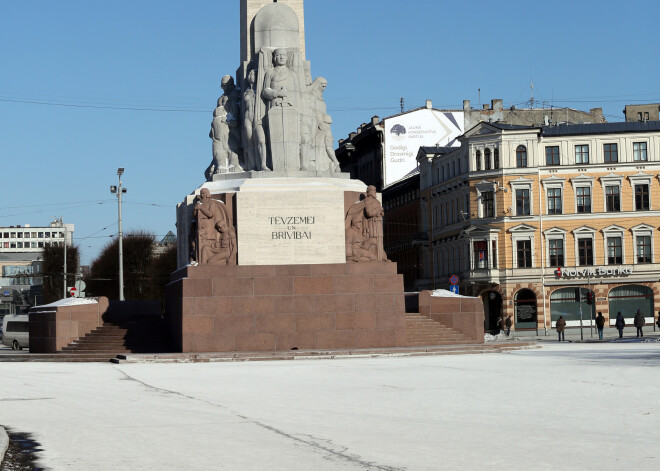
{"points": [[277, 120]]}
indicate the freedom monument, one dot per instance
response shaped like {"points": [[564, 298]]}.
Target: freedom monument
{"points": [[278, 249]]}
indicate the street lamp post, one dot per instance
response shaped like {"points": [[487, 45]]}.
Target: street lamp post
{"points": [[119, 190]]}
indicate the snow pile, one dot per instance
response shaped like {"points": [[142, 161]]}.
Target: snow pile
{"points": [[496, 338], [71, 302], [443, 293]]}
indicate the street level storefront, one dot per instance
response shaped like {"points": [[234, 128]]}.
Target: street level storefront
{"points": [[578, 294]]}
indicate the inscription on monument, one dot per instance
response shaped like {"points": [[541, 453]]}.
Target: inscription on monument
{"points": [[292, 227]]}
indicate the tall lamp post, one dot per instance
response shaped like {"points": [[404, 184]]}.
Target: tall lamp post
{"points": [[119, 190]]}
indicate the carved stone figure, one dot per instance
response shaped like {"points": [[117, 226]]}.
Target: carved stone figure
{"points": [[216, 236], [254, 138], [281, 91], [224, 160], [322, 132], [364, 229]]}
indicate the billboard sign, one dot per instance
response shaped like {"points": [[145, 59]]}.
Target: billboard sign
{"points": [[406, 133]]}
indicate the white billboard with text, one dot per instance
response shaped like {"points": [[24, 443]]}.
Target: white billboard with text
{"points": [[405, 134]]}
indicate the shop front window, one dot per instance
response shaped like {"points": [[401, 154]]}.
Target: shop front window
{"points": [[567, 302], [626, 299], [525, 309]]}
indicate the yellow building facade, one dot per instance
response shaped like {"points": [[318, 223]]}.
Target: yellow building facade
{"points": [[543, 222]]}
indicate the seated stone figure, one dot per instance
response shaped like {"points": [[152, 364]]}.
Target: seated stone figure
{"points": [[364, 229], [216, 237]]}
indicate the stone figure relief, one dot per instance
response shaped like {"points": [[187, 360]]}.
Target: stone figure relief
{"points": [[364, 229], [322, 132], [279, 119], [215, 241]]}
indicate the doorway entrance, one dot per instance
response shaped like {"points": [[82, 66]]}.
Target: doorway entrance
{"points": [[492, 310]]}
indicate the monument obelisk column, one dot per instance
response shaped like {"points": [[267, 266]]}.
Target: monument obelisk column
{"points": [[249, 9]]}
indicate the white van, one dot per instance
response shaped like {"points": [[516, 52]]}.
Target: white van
{"points": [[15, 331]]}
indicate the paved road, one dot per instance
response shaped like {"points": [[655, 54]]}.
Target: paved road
{"points": [[565, 406]]}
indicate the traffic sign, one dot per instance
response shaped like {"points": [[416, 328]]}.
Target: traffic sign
{"points": [[454, 289], [72, 291], [7, 293], [453, 280]]}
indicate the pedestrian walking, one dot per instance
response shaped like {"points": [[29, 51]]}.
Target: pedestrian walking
{"points": [[560, 326], [600, 323], [507, 323], [639, 323], [620, 324], [658, 320]]}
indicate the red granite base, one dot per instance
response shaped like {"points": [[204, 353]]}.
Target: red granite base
{"points": [[282, 307]]}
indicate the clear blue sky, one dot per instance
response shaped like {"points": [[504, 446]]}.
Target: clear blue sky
{"points": [[141, 79]]}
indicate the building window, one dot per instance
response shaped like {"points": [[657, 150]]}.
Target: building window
{"points": [[494, 253], [33, 245], [480, 254], [496, 158], [488, 199], [583, 199], [522, 202], [642, 197], [478, 160], [556, 252], [19, 245], [585, 251], [614, 251], [487, 159], [643, 249], [611, 153], [639, 151], [521, 156], [13, 235], [552, 155], [524, 253], [582, 154], [554, 200], [612, 198]]}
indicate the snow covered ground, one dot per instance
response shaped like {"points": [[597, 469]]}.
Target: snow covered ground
{"points": [[562, 407]]}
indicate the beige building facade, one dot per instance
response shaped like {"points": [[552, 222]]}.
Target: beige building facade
{"points": [[551, 221]]}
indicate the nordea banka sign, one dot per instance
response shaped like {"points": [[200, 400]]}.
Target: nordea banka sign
{"points": [[592, 271]]}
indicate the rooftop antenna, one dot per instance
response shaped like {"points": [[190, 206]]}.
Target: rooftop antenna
{"points": [[401, 104], [531, 99], [479, 91]]}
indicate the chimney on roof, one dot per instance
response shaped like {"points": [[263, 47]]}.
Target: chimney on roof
{"points": [[466, 105], [486, 106], [497, 104], [429, 104], [596, 113]]}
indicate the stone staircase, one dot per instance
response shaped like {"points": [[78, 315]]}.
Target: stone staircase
{"points": [[111, 339], [422, 330]]}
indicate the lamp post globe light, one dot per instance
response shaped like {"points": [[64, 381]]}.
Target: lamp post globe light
{"points": [[118, 190]]}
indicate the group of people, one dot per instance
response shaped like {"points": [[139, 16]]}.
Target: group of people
{"points": [[620, 323]]}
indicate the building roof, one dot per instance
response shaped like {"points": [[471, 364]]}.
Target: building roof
{"points": [[510, 127], [436, 149], [600, 128], [20, 256]]}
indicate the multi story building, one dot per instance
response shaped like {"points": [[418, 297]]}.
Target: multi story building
{"points": [[546, 221], [383, 153], [20, 261]]}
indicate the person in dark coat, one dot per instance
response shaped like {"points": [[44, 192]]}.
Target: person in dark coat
{"points": [[639, 323], [658, 320], [600, 323], [620, 324], [560, 326], [507, 323]]}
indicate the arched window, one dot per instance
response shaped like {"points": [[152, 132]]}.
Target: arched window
{"points": [[496, 158], [627, 299], [564, 302], [521, 156], [525, 309], [478, 160], [487, 159]]}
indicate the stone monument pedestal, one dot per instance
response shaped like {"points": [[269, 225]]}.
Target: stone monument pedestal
{"points": [[215, 308]]}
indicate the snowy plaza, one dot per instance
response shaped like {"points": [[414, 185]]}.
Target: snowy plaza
{"points": [[561, 406]]}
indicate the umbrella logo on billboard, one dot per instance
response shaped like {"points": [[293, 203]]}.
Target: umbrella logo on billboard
{"points": [[398, 131]]}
